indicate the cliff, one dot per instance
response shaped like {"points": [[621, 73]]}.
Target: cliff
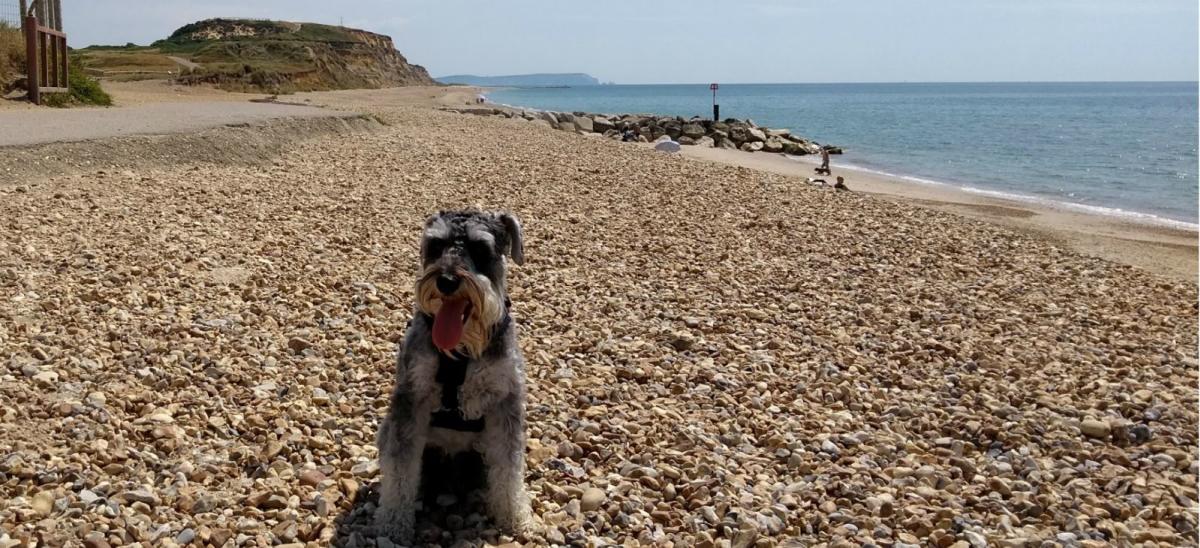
{"points": [[272, 56]]}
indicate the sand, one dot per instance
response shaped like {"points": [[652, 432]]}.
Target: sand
{"points": [[1156, 248]]}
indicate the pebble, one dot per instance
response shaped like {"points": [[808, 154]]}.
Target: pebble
{"points": [[311, 477], [1093, 428], [43, 503], [592, 499]]}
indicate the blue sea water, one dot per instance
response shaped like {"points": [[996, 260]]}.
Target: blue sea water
{"points": [[1127, 148]]}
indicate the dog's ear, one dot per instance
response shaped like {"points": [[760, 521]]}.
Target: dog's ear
{"points": [[516, 247]]}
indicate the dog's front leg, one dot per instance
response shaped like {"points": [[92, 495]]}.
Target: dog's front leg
{"points": [[401, 443], [504, 456]]}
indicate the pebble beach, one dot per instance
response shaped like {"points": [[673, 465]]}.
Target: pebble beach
{"points": [[200, 354]]}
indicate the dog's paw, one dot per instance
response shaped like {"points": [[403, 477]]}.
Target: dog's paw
{"points": [[394, 524], [518, 520]]}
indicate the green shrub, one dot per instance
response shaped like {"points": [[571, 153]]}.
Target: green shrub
{"points": [[12, 54], [85, 90]]}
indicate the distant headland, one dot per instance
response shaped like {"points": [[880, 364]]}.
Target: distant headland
{"points": [[523, 80]]}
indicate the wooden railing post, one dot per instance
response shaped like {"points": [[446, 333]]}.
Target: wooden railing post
{"points": [[32, 72]]}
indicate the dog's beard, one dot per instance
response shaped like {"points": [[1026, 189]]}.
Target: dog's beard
{"points": [[485, 311]]}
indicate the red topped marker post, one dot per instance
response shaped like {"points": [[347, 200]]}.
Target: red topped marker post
{"points": [[716, 107]]}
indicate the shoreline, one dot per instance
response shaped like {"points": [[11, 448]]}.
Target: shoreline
{"points": [[1116, 213], [1158, 248]]}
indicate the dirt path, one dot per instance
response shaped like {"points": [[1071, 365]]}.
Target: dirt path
{"points": [[184, 62], [29, 127]]}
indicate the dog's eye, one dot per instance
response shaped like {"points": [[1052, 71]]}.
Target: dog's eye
{"points": [[434, 248], [481, 252]]}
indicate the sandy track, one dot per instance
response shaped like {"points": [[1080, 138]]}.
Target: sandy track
{"points": [[28, 127], [735, 358]]}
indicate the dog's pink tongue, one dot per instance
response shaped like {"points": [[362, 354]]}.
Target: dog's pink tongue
{"points": [[448, 324]]}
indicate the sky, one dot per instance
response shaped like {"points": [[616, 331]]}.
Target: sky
{"points": [[731, 41]]}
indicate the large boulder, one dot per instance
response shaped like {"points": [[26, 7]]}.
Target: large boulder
{"points": [[718, 136], [727, 144], [565, 117], [662, 139], [739, 134], [601, 124], [548, 116], [705, 142], [567, 126], [674, 129], [541, 123], [752, 146], [756, 134], [685, 140], [794, 148], [778, 132], [720, 126], [583, 123], [695, 131], [773, 144]]}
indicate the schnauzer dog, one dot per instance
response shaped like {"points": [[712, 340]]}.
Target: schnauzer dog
{"points": [[460, 377]]}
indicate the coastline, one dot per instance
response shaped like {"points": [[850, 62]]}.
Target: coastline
{"points": [[1161, 249], [1158, 245]]}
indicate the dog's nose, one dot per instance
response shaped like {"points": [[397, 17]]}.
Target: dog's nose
{"points": [[448, 284]]}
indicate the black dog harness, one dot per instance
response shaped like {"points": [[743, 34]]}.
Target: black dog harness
{"points": [[451, 372]]}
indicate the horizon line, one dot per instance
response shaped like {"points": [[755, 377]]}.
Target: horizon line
{"points": [[884, 82]]}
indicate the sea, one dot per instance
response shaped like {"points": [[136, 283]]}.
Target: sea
{"points": [[1125, 149]]}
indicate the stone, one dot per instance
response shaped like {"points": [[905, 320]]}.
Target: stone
{"points": [[592, 499], [584, 124], [144, 496], [705, 142], [1093, 428], [751, 146], [311, 477], [298, 344], [695, 131], [601, 124], [43, 503]]}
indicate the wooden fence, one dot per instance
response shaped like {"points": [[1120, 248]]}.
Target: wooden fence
{"points": [[45, 49]]}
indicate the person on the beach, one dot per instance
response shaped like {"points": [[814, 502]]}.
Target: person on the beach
{"points": [[824, 167], [841, 184]]}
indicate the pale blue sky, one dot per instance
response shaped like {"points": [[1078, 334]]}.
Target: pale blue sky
{"points": [[687, 41]]}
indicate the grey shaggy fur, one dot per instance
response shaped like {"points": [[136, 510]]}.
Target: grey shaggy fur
{"points": [[493, 389]]}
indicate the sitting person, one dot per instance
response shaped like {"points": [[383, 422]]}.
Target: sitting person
{"points": [[841, 184]]}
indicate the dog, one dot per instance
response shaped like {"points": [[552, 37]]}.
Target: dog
{"points": [[460, 376]]}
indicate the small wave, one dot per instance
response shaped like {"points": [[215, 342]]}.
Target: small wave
{"points": [[1135, 216]]}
